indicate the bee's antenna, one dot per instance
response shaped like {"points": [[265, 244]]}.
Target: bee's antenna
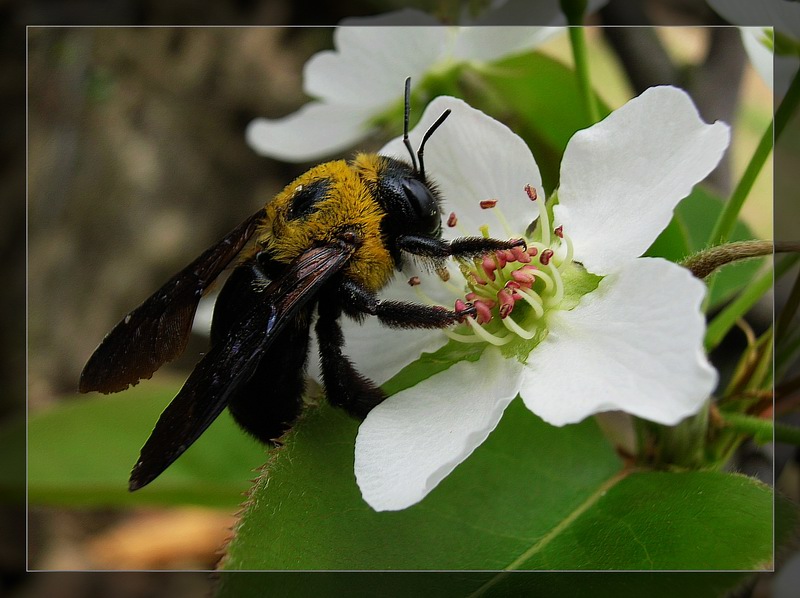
{"points": [[428, 133], [405, 124]]}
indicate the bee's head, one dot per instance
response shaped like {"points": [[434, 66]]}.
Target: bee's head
{"points": [[404, 190], [411, 203]]}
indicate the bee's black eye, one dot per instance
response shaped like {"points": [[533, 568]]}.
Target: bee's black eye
{"points": [[424, 204], [305, 199]]}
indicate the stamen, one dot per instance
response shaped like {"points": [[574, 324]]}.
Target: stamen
{"points": [[463, 338], [547, 254], [484, 312], [479, 330], [521, 255], [489, 265], [525, 275], [484, 292], [549, 285], [453, 288], [474, 297], [513, 285], [452, 220], [425, 298], [476, 279], [508, 255], [477, 266], [517, 329], [558, 296], [414, 281], [532, 299], [487, 204], [568, 242], [501, 218], [544, 218], [506, 302]]}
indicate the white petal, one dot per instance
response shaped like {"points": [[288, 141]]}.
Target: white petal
{"points": [[414, 439], [315, 131], [622, 177], [485, 44], [760, 55], [778, 70], [635, 344], [370, 64], [377, 351], [380, 352], [783, 15], [472, 157]]}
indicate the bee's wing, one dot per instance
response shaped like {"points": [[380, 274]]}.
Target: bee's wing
{"points": [[157, 330], [232, 361]]}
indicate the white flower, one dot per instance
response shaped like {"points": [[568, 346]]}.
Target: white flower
{"points": [[617, 332], [362, 78], [758, 42], [755, 41]]}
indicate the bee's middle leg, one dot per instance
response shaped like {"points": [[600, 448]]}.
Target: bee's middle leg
{"points": [[345, 387], [358, 301]]}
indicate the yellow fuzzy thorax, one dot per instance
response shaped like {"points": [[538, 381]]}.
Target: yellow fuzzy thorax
{"points": [[349, 202]]}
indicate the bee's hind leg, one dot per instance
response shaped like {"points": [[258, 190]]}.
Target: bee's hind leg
{"points": [[344, 385]]}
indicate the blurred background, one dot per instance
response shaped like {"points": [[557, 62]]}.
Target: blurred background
{"points": [[136, 162]]}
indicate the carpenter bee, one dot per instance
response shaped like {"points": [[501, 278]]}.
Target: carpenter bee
{"points": [[326, 244]]}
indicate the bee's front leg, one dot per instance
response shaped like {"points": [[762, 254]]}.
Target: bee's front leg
{"points": [[462, 247]]}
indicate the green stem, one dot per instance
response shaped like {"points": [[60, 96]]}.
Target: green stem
{"points": [[704, 263], [762, 429], [788, 106], [789, 309], [762, 370], [727, 219], [726, 319], [786, 356], [574, 11], [579, 54]]}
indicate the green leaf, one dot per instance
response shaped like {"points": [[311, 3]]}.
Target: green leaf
{"points": [[687, 233], [659, 520], [429, 364], [471, 583], [81, 453], [533, 496]]}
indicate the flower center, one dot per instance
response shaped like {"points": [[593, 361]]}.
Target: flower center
{"points": [[512, 290]]}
